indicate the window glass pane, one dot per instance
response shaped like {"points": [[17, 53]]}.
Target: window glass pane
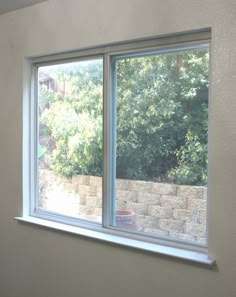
{"points": [[161, 142], [70, 138]]}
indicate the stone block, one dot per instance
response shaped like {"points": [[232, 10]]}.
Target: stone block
{"points": [[99, 202], [160, 212], [145, 222], [203, 217], [82, 199], [174, 202], [171, 225], [96, 181], [140, 186], [196, 229], [184, 215], [204, 193], [122, 184], [163, 189], [148, 198], [126, 195], [80, 179], [99, 192], [138, 208], [198, 204], [87, 190], [190, 192], [91, 201]]}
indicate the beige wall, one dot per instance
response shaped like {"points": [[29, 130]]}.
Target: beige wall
{"points": [[44, 263]]}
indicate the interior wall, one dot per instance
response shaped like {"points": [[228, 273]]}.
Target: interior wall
{"points": [[43, 263]]}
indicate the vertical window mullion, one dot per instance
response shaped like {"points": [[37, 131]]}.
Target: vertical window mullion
{"points": [[34, 141], [108, 144], [113, 121], [109, 136]]}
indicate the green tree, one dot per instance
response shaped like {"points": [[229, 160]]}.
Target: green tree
{"points": [[162, 116], [74, 120], [160, 98]]}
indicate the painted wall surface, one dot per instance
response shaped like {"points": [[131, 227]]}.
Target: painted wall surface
{"points": [[43, 263]]}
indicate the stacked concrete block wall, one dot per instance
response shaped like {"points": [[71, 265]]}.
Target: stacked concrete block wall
{"points": [[160, 208]]}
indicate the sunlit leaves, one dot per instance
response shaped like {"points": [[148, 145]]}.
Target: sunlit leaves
{"points": [[162, 117]]}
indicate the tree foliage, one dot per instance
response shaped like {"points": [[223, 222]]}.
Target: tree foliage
{"points": [[162, 116]]}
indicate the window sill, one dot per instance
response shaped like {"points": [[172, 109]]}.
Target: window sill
{"points": [[177, 253]]}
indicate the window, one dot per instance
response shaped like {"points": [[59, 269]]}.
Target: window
{"points": [[70, 138], [118, 139]]}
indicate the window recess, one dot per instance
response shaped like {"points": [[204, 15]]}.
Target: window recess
{"points": [[117, 139]]}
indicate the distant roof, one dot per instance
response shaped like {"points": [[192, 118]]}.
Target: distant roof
{"points": [[44, 76]]}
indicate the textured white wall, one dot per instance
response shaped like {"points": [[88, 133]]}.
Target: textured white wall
{"points": [[43, 263]]}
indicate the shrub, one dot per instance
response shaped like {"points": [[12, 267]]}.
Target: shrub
{"points": [[162, 115]]}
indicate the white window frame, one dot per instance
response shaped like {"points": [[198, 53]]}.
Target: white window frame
{"points": [[105, 231]]}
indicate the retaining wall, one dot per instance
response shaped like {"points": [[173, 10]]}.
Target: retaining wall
{"points": [[160, 208]]}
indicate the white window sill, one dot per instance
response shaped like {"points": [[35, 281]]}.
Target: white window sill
{"points": [[186, 255]]}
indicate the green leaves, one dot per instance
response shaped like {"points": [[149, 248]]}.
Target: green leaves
{"points": [[160, 98], [162, 118], [74, 120], [192, 162]]}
